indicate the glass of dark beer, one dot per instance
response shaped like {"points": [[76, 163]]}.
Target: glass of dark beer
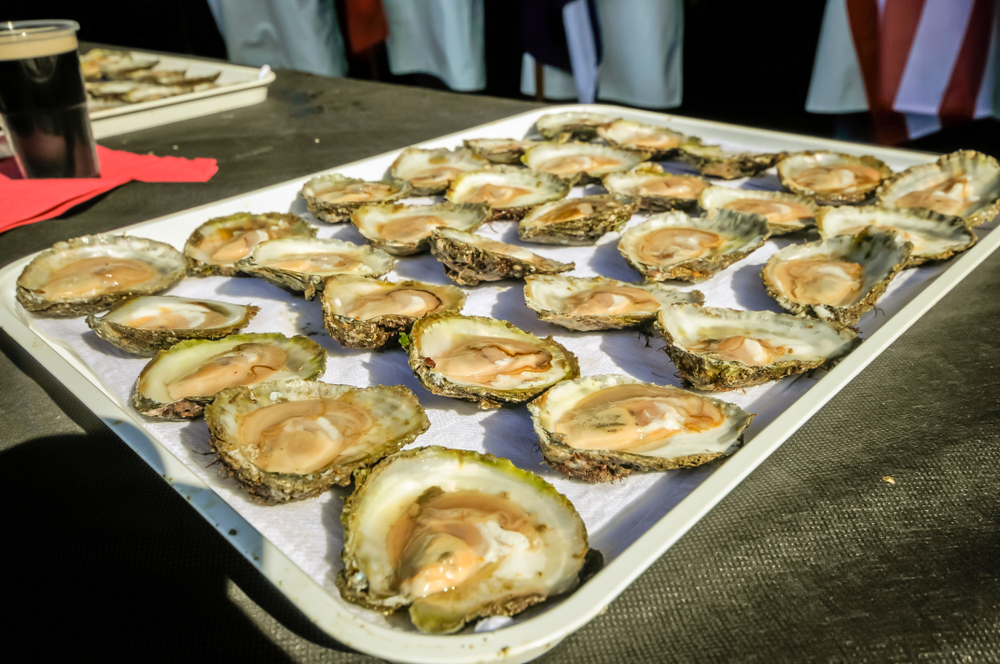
{"points": [[43, 105]]}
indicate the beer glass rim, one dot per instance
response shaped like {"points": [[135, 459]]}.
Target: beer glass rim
{"points": [[36, 29]]}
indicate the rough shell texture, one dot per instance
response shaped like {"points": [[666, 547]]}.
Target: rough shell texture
{"points": [[275, 224], [547, 188], [791, 165], [626, 184], [412, 163], [467, 264], [572, 124], [499, 150], [337, 212], [714, 198], [463, 216], [582, 230], [713, 161]]}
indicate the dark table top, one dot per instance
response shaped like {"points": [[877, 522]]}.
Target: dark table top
{"points": [[814, 557]]}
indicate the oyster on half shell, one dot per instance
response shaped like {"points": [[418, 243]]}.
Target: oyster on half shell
{"points": [[712, 160], [510, 191], [499, 150], [580, 163], [785, 213], [661, 143], [431, 171], [656, 189], [578, 125], [215, 246], [334, 197], [469, 258], [832, 178], [402, 230], [577, 221]]}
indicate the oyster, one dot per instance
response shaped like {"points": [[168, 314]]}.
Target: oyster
{"points": [[839, 278], [303, 264], [832, 178], [489, 362], [725, 349], [933, 236], [217, 244], [673, 245], [572, 124], [714, 161], [602, 428], [178, 382], [456, 536], [431, 171], [580, 162], [146, 324], [599, 303], [785, 213], [361, 312], [469, 259], [661, 143], [334, 197], [94, 272], [964, 183], [499, 150], [402, 230], [510, 191], [656, 189], [577, 221], [286, 440]]}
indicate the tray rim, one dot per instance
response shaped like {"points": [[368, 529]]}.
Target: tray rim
{"points": [[529, 639]]}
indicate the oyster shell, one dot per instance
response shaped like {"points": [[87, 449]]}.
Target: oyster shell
{"points": [[469, 259], [602, 428], [334, 197], [964, 183], [933, 236], [361, 312], [215, 246], [656, 189], [832, 178], [303, 264], [577, 221], [714, 161], [510, 191], [456, 535], [673, 245], [431, 171], [661, 143], [837, 279], [178, 382], [599, 303], [571, 124], [94, 272], [580, 162], [402, 230], [489, 362], [146, 324], [726, 349], [288, 440], [785, 213], [499, 150]]}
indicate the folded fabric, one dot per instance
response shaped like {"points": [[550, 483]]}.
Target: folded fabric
{"points": [[28, 201]]}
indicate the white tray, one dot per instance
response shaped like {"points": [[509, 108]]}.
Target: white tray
{"points": [[633, 522]]}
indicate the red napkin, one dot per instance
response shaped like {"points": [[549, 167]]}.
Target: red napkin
{"points": [[28, 201]]}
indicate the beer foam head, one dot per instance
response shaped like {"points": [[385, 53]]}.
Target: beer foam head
{"points": [[36, 39]]}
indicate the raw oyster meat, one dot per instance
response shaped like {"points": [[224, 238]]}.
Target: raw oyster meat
{"points": [[656, 189], [216, 245], [602, 428], [964, 183], [334, 197], [580, 163], [499, 150], [661, 143], [146, 324], [94, 272], [785, 213], [469, 259], [303, 264], [714, 161], [456, 535], [402, 230], [431, 171], [726, 349], [179, 381], [489, 362], [362, 312], [581, 126], [832, 178], [510, 191], [599, 303], [673, 245], [286, 440], [933, 236], [577, 221], [839, 278]]}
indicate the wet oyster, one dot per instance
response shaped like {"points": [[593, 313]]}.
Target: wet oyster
{"points": [[431, 171], [94, 272], [303, 264], [179, 381], [456, 536], [832, 178], [217, 244], [402, 230], [602, 428], [661, 143], [726, 349], [656, 189], [673, 245], [499, 150], [835, 279], [581, 126], [286, 440], [489, 362], [785, 213], [580, 162], [334, 197], [964, 183], [509, 190], [146, 324], [469, 259], [361, 312], [599, 303], [577, 221], [714, 161], [933, 236]]}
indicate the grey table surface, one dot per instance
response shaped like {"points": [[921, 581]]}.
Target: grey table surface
{"points": [[815, 557]]}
